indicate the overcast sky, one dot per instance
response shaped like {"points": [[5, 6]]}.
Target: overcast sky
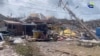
{"points": [[50, 7]]}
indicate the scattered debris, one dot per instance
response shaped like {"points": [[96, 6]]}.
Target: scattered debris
{"points": [[18, 40]]}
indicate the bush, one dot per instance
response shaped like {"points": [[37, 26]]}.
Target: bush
{"points": [[27, 50], [23, 50]]}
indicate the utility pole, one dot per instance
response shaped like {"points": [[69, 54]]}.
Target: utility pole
{"points": [[77, 19]]}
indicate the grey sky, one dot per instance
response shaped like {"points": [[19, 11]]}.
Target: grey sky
{"points": [[49, 7]]}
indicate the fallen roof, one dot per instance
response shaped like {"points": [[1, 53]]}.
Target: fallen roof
{"points": [[12, 22]]}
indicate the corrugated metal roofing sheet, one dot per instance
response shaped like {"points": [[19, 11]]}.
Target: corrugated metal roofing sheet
{"points": [[12, 22]]}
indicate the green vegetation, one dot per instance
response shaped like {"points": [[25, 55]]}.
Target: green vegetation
{"points": [[27, 50]]}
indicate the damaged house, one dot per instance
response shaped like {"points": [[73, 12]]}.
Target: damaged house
{"points": [[9, 25], [14, 27]]}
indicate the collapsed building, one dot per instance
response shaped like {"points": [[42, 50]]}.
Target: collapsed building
{"points": [[93, 23], [36, 21]]}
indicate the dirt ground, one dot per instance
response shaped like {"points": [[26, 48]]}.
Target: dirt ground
{"points": [[63, 48], [8, 51], [59, 48]]}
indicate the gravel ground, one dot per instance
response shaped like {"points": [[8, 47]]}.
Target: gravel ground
{"points": [[8, 51], [55, 48]]}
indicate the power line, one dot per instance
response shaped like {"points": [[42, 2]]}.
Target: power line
{"points": [[92, 35]]}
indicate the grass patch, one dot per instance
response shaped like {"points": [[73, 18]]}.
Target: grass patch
{"points": [[27, 50]]}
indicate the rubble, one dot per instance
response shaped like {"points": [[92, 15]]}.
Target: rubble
{"points": [[18, 40], [2, 44]]}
